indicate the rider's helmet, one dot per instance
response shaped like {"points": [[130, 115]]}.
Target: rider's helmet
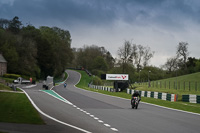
{"points": [[137, 91]]}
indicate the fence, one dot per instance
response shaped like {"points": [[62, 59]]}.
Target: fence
{"points": [[177, 85]]}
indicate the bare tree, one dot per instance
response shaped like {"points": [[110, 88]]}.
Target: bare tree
{"points": [[147, 55], [171, 64], [125, 53], [182, 52], [136, 54], [141, 55]]}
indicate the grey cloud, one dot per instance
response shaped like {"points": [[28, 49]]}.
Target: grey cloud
{"points": [[104, 12]]}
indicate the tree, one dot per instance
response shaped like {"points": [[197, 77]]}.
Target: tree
{"points": [[56, 51], [4, 23], [182, 52], [147, 55], [125, 54], [100, 64], [15, 25], [85, 56], [138, 56], [171, 64]]}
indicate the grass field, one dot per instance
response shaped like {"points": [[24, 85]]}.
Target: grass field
{"points": [[16, 108], [176, 105], [188, 83], [182, 85], [4, 87]]}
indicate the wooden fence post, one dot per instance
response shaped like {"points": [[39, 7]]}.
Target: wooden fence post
{"points": [[189, 85], [195, 86], [184, 85]]}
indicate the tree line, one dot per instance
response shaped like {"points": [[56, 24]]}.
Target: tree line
{"points": [[35, 52], [43, 51]]}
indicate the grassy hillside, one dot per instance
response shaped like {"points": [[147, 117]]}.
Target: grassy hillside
{"points": [[187, 84], [85, 79]]}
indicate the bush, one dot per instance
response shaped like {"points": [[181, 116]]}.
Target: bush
{"points": [[97, 81], [12, 76]]}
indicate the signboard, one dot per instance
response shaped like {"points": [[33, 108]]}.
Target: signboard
{"points": [[116, 76]]}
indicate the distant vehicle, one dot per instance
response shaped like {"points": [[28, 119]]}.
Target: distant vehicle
{"points": [[20, 80]]}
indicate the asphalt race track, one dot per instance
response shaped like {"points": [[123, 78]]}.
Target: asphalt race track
{"points": [[118, 113], [98, 113]]}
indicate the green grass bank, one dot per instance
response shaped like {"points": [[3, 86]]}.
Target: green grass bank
{"points": [[16, 108]]}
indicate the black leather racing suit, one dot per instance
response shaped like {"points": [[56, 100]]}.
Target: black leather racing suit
{"points": [[136, 94]]}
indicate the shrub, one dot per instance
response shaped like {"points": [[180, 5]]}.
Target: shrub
{"points": [[12, 76], [97, 81]]}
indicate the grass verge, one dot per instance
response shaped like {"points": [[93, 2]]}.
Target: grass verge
{"points": [[16, 108], [185, 106]]}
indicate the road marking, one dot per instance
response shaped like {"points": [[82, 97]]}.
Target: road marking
{"points": [[114, 129], [83, 130], [100, 121], [107, 125], [96, 118], [91, 115], [30, 86], [59, 97]]}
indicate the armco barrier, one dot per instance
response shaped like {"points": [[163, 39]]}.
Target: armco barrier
{"points": [[157, 95], [191, 98]]}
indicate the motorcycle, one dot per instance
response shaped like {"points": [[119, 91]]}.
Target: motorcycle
{"points": [[134, 102]]}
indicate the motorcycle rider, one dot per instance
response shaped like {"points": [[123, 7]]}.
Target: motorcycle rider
{"points": [[65, 84], [136, 94]]}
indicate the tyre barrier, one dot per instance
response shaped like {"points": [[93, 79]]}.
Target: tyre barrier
{"points": [[191, 98], [156, 95]]}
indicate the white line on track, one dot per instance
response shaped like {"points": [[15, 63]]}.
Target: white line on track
{"points": [[100, 121], [80, 129], [107, 125], [114, 129], [96, 118]]}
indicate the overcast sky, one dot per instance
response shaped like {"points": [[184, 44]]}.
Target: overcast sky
{"points": [[159, 24]]}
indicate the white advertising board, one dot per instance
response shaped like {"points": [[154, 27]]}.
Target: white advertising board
{"points": [[116, 76]]}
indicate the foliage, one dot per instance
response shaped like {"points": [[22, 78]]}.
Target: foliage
{"points": [[138, 55], [93, 58], [13, 76], [97, 81], [4, 87], [34, 52], [100, 63]]}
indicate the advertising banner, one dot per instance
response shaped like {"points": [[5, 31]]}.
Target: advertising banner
{"points": [[116, 76]]}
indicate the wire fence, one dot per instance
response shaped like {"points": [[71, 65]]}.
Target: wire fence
{"points": [[176, 85]]}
